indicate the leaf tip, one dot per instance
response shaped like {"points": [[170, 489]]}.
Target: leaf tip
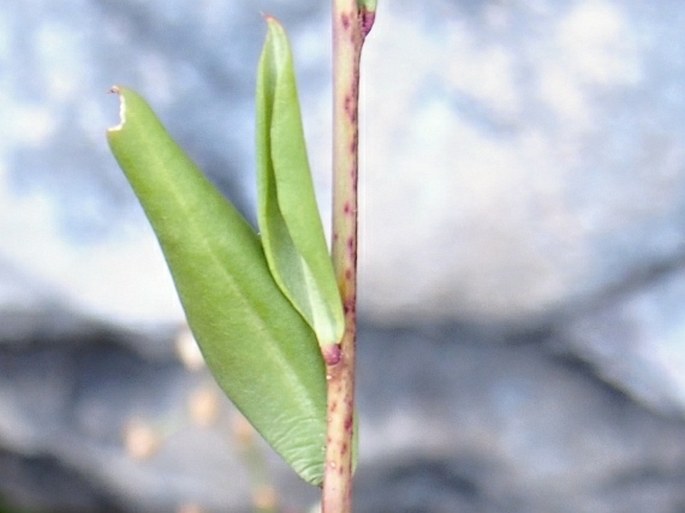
{"points": [[272, 22], [122, 108]]}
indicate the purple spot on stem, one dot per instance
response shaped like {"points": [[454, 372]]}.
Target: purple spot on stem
{"points": [[348, 307], [349, 421], [350, 108]]}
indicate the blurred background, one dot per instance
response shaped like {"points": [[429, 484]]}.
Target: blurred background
{"points": [[522, 288]]}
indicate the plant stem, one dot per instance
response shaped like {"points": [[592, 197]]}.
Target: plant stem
{"points": [[351, 24]]}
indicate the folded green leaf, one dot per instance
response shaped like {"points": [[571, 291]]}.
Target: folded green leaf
{"points": [[264, 356], [288, 215]]}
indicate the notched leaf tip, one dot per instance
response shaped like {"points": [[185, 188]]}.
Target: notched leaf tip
{"points": [[122, 109]]}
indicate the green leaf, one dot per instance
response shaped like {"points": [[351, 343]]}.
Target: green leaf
{"points": [[259, 349], [367, 5], [288, 215]]}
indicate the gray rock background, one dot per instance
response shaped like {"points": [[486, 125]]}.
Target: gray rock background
{"points": [[522, 255]]}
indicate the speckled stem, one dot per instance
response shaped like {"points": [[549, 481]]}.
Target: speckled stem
{"points": [[351, 24]]}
